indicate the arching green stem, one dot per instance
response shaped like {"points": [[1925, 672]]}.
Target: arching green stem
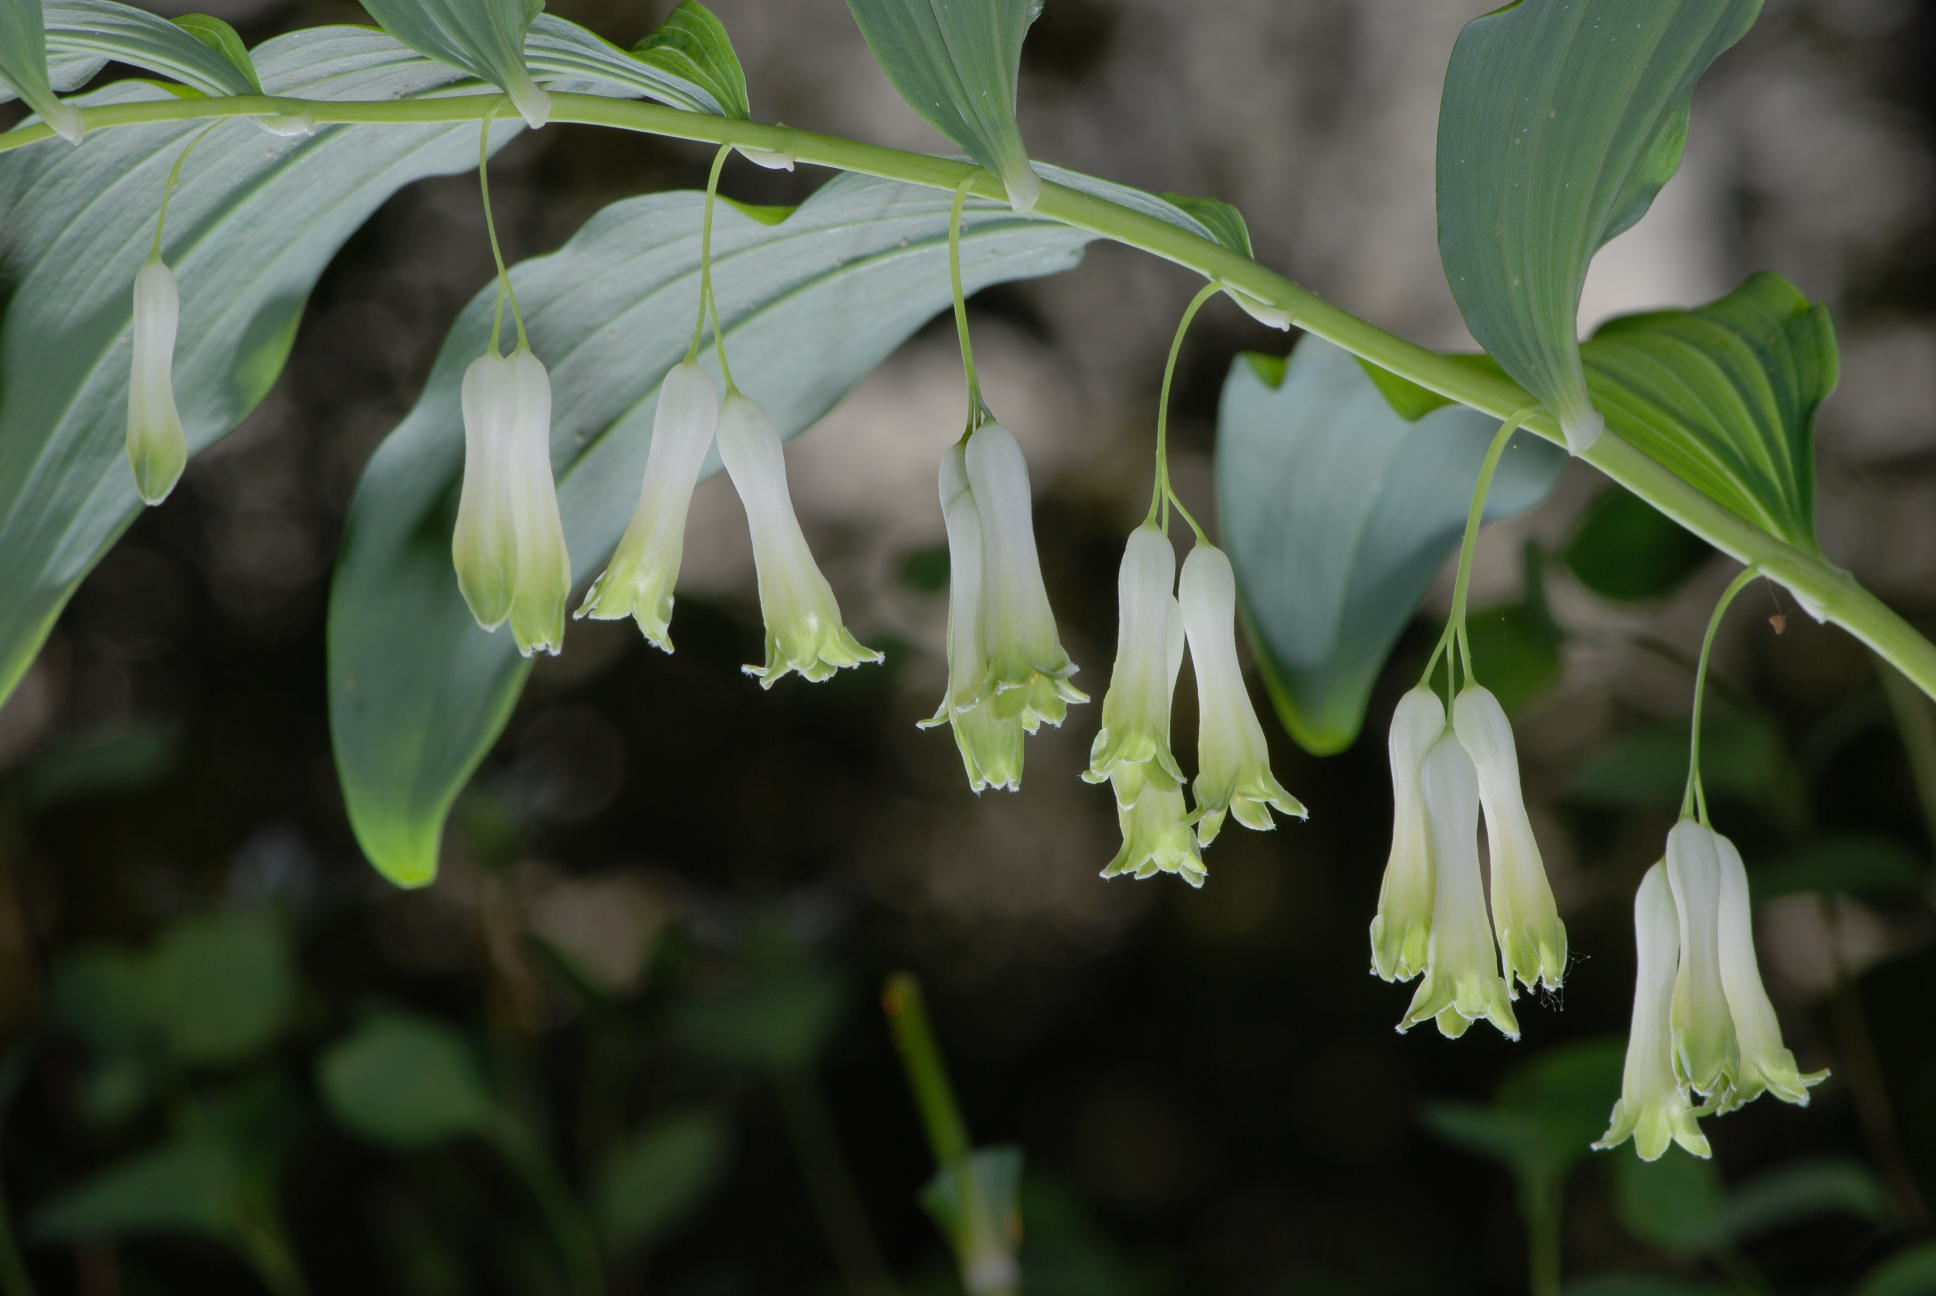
{"points": [[1694, 801], [1162, 495], [708, 304], [1454, 637], [978, 411], [174, 180], [504, 289]]}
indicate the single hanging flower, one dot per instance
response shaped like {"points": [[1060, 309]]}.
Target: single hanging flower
{"points": [[1233, 759], [803, 627], [509, 546], [1155, 822], [1133, 746], [1532, 940], [1705, 1052], [639, 580], [1462, 981], [1765, 1064], [1401, 932], [991, 746], [157, 447], [1653, 1109], [1028, 673]]}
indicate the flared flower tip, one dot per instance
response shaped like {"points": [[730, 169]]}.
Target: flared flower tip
{"points": [[1532, 939], [1462, 982], [1233, 757], [1402, 930], [1136, 710], [157, 446], [1706, 1054], [1765, 1064], [1653, 1109], [804, 632], [509, 544], [639, 580], [1157, 837]]}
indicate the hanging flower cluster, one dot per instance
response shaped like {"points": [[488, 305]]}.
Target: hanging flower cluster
{"points": [[1702, 1022]]}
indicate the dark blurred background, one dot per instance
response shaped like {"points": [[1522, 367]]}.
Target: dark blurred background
{"points": [[635, 1025]]}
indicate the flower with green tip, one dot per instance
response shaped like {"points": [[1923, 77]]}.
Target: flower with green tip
{"points": [[1233, 759], [1028, 672], [804, 633], [1401, 932], [1532, 940], [1706, 1055], [509, 545], [157, 446], [639, 580], [1462, 983], [990, 745], [1653, 1109], [1157, 836], [1133, 747], [1765, 1065]]}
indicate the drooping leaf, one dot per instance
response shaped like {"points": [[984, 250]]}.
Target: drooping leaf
{"points": [[200, 52], [692, 45], [406, 1082], [1627, 550], [246, 237], [482, 37], [958, 66], [1337, 514], [652, 1181], [1726, 395], [811, 304], [1560, 121], [24, 68]]}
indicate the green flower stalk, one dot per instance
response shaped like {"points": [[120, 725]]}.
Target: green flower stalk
{"points": [[1532, 940], [1653, 1110], [804, 633], [157, 446], [509, 545], [1132, 749], [639, 580], [1462, 982], [1402, 930], [1233, 759]]}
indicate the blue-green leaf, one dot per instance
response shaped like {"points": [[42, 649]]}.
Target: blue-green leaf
{"points": [[1561, 119], [483, 37], [200, 52], [417, 692], [246, 238], [692, 45], [222, 38], [571, 57], [23, 65], [1337, 514], [958, 65]]}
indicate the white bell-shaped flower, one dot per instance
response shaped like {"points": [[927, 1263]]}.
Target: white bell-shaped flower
{"points": [[645, 567], [157, 447], [1532, 940], [509, 545], [1765, 1064], [1401, 932], [990, 745], [804, 633], [1653, 1109], [1705, 1052], [1028, 672], [1462, 981], [1133, 746], [1157, 837], [1233, 759]]}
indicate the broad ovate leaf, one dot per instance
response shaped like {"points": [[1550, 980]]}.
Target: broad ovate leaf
{"points": [[200, 52], [957, 63], [1561, 119], [1337, 514], [247, 239], [812, 303]]}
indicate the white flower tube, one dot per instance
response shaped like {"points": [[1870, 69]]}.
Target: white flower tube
{"points": [[157, 446], [1462, 982], [1133, 746], [1653, 1109], [509, 545], [645, 567], [1532, 940], [804, 632], [1765, 1064], [1705, 1052], [991, 747], [1028, 672], [1401, 932], [1233, 759]]}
